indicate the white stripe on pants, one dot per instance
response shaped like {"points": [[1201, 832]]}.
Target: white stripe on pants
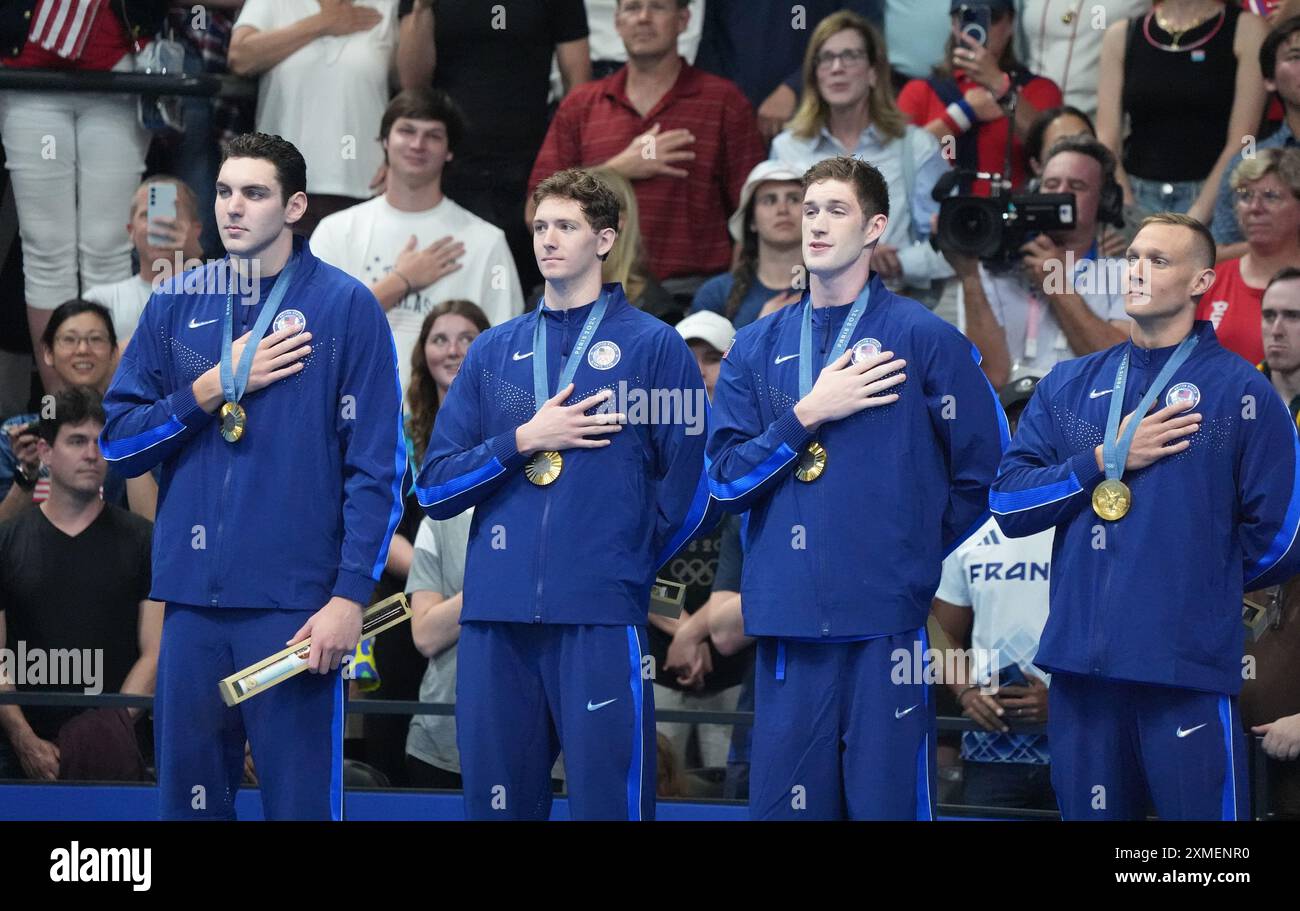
{"points": [[75, 159]]}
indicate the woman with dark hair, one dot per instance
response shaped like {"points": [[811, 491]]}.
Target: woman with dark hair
{"points": [[79, 347], [1050, 126], [445, 336], [768, 273], [981, 98], [393, 666]]}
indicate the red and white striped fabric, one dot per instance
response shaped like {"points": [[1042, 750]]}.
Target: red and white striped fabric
{"points": [[62, 26]]}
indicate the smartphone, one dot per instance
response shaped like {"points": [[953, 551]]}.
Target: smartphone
{"points": [[162, 204], [975, 21], [1012, 675]]}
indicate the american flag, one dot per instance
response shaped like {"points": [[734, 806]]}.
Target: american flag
{"points": [[1263, 8], [62, 26]]}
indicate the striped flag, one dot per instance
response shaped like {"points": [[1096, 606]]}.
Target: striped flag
{"points": [[1263, 8], [62, 26]]}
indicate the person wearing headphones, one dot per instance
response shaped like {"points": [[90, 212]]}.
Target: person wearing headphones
{"points": [[1065, 300]]}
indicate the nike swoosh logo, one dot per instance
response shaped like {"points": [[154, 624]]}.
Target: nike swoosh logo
{"points": [[520, 357], [1095, 394], [785, 357], [1182, 733], [206, 322], [898, 714], [600, 705]]}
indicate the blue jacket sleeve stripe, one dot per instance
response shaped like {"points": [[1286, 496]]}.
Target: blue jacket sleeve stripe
{"points": [[1286, 535], [694, 521], [399, 474], [1004, 429], [118, 450], [432, 496], [1003, 502], [734, 490], [1004, 441]]}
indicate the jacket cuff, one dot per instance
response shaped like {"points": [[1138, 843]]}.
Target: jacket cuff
{"points": [[788, 429], [185, 408], [354, 587], [1084, 468], [502, 447]]}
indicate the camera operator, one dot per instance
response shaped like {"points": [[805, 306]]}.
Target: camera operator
{"points": [[1061, 300]]}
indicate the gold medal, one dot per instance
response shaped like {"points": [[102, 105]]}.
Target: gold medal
{"points": [[544, 467], [812, 462], [233, 421], [1111, 499]]}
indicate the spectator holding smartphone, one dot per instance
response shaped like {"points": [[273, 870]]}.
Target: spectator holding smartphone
{"points": [[992, 599], [981, 102], [159, 243]]}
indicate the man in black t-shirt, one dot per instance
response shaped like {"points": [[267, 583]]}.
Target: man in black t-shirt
{"points": [[75, 614], [494, 59]]}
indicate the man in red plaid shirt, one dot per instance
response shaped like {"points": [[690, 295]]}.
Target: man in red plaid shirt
{"points": [[685, 138]]}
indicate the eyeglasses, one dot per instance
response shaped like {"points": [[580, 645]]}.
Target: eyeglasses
{"points": [[1271, 199], [73, 342], [852, 57]]}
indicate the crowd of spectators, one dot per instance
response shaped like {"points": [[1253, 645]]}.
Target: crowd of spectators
{"points": [[426, 124]]}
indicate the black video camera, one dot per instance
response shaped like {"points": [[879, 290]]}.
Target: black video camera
{"points": [[994, 228]]}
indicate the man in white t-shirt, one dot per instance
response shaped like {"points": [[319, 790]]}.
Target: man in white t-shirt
{"points": [[125, 300], [993, 599], [413, 246]]}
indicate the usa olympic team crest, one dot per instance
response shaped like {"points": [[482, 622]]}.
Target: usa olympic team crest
{"points": [[604, 355], [865, 348], [1183, 394], [289, 319]]}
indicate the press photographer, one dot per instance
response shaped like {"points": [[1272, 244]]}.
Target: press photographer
{"points": [[1053, 298]]}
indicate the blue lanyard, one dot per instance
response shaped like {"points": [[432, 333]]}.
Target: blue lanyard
{"points": [[1114, 453], [540, 393], [841, 342], [234, 384]]}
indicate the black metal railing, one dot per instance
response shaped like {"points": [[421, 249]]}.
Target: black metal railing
{"points": [[209, 84], [1259, 786]]}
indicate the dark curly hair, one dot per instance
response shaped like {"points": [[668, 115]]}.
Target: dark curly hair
{"points": [[290, 166]]}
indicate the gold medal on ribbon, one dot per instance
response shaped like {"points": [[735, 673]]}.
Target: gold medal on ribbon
{"points": [[1111, 499], [233, 421], [544, 467], [812, 462]]}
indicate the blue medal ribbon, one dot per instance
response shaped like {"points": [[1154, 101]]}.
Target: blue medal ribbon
{"points": [[234, 383], [1114, 452], [570, 368], [841, 342]]}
